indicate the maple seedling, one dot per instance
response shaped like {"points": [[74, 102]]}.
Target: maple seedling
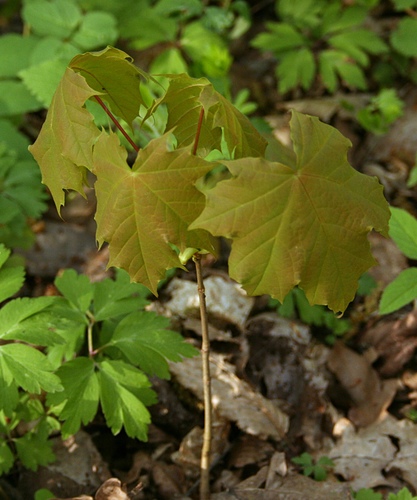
{"points": [[299, 218]]}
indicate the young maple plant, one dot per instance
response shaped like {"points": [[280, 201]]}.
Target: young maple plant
{"points": [[301, 218]]}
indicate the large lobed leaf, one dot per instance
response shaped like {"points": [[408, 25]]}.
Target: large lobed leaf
{"points": [[303, 226], [111, 73], [186, 96], [143, 209], [64, 146]]}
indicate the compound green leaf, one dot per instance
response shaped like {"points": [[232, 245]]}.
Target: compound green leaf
{"points": [[30, 368], [305, 226], [64, 145], [144, 340], [80, 396], [15, 53], [16, 99], [52, 18], [34, 450], [6, 457], [111, 73], [16, 314], [76, 288], [124, 394], [113, 298], [12, 276], [97, 30], [400, 292], [296, 68], [403, 38], [143, 210]]}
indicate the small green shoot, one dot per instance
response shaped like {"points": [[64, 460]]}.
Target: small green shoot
{"points": [[318, 470], [382, 111]]}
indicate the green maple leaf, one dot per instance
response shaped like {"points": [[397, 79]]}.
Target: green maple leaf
{"points": [[305, 225], [186, 96], [111, 73], [143, 209], [63, 148]]}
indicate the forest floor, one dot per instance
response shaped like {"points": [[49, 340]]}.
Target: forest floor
{"points": [[279, 389]]}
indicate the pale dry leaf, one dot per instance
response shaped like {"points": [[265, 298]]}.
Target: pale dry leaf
{"points": [[226, 301], [111, 490], [367, 457], [233, 398]]}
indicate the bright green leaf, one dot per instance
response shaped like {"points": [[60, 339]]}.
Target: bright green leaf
{"points": [[121, 387], [16, 99], [30, 368], [296, 68], [11, 276], [305, 226], [403, 230], [280, 38], [43, 79], [403, 38], [117, 297], [34, 450], [80, 395], [15, 53], [56, 17], [140, 210], [15, 314], [144, 340], [63, 148], [6, 457], [400, 292], [97, 30], [76, 288]]}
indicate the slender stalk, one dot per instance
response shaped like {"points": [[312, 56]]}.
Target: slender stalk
{"points": [[198, 132], [205, 351], [116, 122]]}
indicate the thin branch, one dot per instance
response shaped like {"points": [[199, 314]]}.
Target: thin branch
{"points": [[116, 122], [205, 351]]}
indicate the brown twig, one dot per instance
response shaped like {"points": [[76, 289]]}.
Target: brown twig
{"points": [[205, 351]]}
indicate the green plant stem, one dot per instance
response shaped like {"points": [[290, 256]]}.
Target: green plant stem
{"points": [[117, 123], [91, 322], [205, 351]]}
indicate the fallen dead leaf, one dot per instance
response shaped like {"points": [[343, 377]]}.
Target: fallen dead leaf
{"points": [[233, 398], [394, 342], [377, 455], [371, 395]]}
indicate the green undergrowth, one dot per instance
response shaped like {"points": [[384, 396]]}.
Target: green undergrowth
{"points": [[64, 358]]}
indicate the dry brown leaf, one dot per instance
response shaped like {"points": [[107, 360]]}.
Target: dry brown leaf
{"points": [[233, 398], [366, 457], [394, 341], [371, 396], [111, 490]]}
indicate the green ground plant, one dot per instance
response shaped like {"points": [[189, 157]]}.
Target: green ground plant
{"points": [[64, 357], [317, 469], [368, 494], [335, 45], [403, 289]]}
